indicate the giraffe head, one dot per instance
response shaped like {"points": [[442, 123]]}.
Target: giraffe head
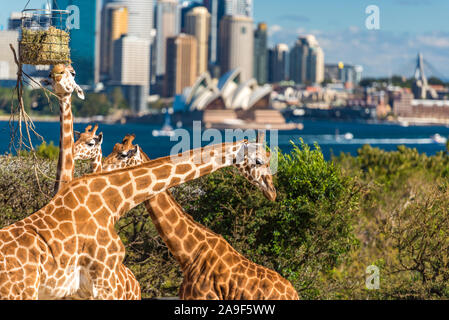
{"points": [[256, 167], [63, 81], [124, 154], [88, 144]]}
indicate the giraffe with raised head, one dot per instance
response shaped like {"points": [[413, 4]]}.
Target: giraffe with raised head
{"points": [[62, 79], [212, 268], [88, 147], [71, 246]]}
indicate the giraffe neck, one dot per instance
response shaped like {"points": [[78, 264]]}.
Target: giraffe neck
{"points": [[65, 169], [97, 163], [167, 215], [121, 190], [179, 231]]}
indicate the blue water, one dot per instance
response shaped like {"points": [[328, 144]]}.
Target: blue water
{"points": [[384, 136]]}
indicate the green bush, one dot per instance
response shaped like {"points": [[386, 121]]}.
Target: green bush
{"points": [[330, 221], [304, 234]]}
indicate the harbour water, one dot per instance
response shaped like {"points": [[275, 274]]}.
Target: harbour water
{"points": [[333, 137]]}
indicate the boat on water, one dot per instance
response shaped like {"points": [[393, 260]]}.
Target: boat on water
{"points": [[437, 138], [167, 129], [341, 137]]}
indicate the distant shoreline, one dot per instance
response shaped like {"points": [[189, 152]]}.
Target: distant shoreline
{"points": [[400, 121], [49, 119]]}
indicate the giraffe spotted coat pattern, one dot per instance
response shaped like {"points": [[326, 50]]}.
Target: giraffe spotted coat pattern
{"points": [[212, 268], [71, 246]]}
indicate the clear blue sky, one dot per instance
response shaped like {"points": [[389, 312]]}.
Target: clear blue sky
{"points": [[406, 27]]}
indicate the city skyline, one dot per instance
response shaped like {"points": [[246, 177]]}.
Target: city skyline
{"points": [[406, 28]]}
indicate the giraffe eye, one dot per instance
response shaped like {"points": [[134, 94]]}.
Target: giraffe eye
{"points": [[259, 162]]}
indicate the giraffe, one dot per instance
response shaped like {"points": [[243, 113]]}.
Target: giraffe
{"points": [[62, 79], [70, 245], [88, 147], [212, 268]]}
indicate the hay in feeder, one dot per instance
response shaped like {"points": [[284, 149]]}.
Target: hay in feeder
{"points": [[44, 47]]}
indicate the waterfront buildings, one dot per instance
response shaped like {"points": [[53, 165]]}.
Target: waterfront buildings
{"points": [[15, 21], [197, 23], [131, 68], [114, 25], [278, 63], [8, 68], [306, 61], [237, 45], [140, 22], [344, 73], [167, 21], [182, 57], [261, 53]]}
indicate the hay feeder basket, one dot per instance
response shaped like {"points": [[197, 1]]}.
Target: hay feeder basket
{"points": [[44, 38]]}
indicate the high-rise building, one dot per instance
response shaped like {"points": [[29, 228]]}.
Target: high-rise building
{"points": [[197, 24], [8, 68], [85, 40], [186, 7], [168, 17], [342, 72], [140, 21], [278, 58], [239, 7], [307, 61], [114, 24], [15, 21], [261, 54], [237, 45], [130, 69], [218, 9], [181, 69]]}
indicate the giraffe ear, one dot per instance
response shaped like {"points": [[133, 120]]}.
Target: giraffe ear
{"points": [[100, 138], [77, 134], [79, 92]]}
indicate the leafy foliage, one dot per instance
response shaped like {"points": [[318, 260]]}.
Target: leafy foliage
{"points": [[330, 221]]}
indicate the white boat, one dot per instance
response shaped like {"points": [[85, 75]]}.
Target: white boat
{"points": [[166, 130], [438, 138], [348, 136]]}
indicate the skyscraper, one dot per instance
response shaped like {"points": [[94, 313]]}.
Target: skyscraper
{"points": [[15, 21], [85, 41], [239, 7], [130, 69], [261, 54], [278, 58], [197, 24], [218, 9], [181, 69], [186, 7], [167, 26], [140, 21], [114, 24], [237, 45], [307, 61], [8, 68]]}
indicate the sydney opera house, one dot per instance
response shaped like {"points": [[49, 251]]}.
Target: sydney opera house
{"points": [[229, 102]]}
